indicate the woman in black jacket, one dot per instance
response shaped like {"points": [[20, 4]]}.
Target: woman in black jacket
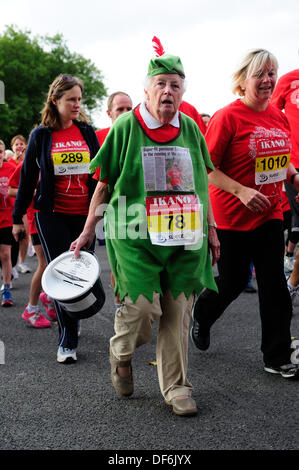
{"points": [[56, 170]]}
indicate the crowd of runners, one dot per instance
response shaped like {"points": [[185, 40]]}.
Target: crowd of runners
{"points": [[199, 191]]}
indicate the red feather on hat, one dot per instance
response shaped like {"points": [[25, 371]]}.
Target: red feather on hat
{"points": [[157, 46]]}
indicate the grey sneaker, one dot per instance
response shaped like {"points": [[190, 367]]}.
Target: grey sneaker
{"points": [[289, 264], [66, 356], [23, 268], [293, 292], [287, 371]]}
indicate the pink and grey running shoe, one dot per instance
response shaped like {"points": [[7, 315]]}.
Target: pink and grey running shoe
{"points": [[50, 310], [35, 319]]}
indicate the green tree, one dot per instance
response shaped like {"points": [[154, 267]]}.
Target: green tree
{"points": [[27, 67]]}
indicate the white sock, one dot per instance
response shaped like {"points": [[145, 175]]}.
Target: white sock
{"points": [[32, 308]]}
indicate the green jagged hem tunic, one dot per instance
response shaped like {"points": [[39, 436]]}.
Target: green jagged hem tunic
{"points": [[139, 267]]}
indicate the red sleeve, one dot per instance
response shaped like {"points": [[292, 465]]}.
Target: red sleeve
{"points": [[192, 112], [102, 134], [218, 136], [278, 97], [97, 174], [14, 179]]}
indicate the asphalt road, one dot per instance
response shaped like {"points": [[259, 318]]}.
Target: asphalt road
{"points": [[50, 406]]}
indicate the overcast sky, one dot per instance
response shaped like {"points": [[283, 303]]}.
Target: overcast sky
{"points": [[210, 36]]}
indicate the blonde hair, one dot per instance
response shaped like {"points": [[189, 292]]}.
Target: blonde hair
{"points": [[19, 136], [252, 63], [50, 114], [2, 143]]}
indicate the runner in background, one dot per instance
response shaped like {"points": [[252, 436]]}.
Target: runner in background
{"points": [[192, 112], [206, 118], [19, 145], [15, 244], [8, 155], [291, 237], [118, 103], [286, 97], [6, 238]]}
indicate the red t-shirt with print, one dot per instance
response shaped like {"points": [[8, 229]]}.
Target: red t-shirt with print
{"points": [[286, 96], [6, 202], [71, 157], [236, 137]]}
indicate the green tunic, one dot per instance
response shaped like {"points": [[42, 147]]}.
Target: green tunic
{"points": [[139, 267]]}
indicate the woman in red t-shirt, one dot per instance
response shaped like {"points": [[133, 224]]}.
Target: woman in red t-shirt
{"points": [[18, 145], [6, 238], [249, 144]]}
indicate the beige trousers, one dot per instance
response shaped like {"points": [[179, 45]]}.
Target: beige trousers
{"points": [[133, 327]]}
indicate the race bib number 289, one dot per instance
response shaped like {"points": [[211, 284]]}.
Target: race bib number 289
{"points": [[70, 163]]}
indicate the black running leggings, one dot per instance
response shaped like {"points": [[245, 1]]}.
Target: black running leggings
{"points": [[263, 246]]}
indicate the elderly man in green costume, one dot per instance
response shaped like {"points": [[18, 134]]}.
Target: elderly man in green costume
{"points": [[157, 270]]}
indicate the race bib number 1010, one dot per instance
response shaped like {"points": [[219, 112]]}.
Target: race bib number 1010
{"points": [[271, 169]]}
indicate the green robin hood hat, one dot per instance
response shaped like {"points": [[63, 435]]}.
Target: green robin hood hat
{"points": [[164, 63]]}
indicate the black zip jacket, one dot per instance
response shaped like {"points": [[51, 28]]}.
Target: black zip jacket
{"points": [[38, 171]]}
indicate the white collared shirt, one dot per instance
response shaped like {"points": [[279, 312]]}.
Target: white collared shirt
{"points": [[152, 122]]}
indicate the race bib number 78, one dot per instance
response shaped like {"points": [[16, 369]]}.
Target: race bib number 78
{"points": [[174, 220]]}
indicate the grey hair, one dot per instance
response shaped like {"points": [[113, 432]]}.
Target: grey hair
{"points": [[252, 63], [148, 80]]}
